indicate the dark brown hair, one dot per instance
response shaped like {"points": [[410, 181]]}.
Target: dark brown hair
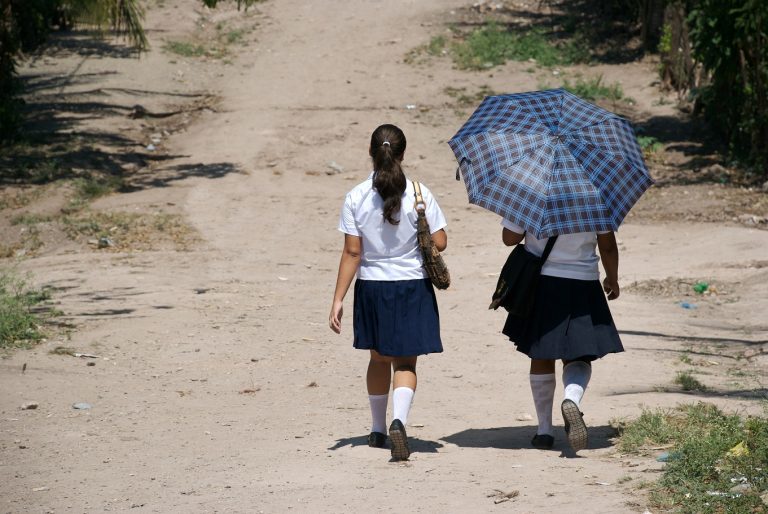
{"points": [[387, 150]]}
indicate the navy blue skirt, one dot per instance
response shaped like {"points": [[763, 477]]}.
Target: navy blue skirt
{"points": [[397, 318], [570, 320]]}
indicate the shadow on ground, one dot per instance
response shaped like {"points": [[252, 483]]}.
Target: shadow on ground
{"points": [[519, 438], [416, 445]]}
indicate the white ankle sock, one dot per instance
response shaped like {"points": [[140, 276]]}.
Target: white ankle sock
{"points": [[543, 390], [378, 412], [576, 377], [401, 403]]}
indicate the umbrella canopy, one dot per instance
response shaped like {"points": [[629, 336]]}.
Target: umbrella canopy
{"points": [[551, 162]]}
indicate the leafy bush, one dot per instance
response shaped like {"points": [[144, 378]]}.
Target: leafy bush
{"points": [[730, 39], [19, 325]]}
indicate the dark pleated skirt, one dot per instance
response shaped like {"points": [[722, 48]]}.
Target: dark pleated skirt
{"points": [[397, 318], [570, 320]]}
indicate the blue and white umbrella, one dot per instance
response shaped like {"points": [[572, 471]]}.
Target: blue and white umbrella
{"points": [[551, 162]]}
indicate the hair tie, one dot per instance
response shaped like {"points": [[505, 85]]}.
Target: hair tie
{"points": [[385, 143]]}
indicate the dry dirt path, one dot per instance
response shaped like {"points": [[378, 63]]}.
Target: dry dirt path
{"points": [[224, 390]]}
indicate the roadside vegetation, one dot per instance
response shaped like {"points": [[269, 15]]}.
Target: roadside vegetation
{"points": [[23, 311], [715, 462], [714, 53]]}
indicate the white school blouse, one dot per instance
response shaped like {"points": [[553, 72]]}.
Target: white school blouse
{"points": [[573, 255], [390, 252]]}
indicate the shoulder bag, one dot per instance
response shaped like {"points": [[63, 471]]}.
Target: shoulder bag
{"points": [[433, 261], [519, 279]]}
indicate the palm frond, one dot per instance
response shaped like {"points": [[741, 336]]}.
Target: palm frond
{"points": [[122, 17]]}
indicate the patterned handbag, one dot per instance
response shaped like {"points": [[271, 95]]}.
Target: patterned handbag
{"points": [[433, 261]]}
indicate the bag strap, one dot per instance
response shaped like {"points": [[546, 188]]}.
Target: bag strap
{"points": [[547, 249], [419, 199]]}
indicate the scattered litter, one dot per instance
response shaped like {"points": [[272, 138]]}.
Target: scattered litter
{"points": [[282, 279], [90, 363], [81, 406], [250, 391], [105, 242], [29, 406], [725, 495], [334, 168], [524, 417], [689, 306], [740, 450], [501, 496], [417, 425], [151, 148], [700, 287], [38, 489], [313, 384], [202, 290], [602, 483], [85, 355], [666, 457], [410, 107], [308, 339]]}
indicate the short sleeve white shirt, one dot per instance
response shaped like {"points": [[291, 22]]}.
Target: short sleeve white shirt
{"points": [[389, 252], [573, 255]]}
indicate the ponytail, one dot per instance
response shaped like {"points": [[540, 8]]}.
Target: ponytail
{"points": [[387, 150]]}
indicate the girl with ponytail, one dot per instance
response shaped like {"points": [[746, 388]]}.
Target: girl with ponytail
{"points": [[395, 315]]}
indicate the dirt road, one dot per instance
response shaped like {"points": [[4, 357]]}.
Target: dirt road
{"points": [[220, 388]]}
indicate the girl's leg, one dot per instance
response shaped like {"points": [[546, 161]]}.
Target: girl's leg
{"points": [[402, 396], [576, 375], [542, 378], [404, 386], [378, 379]]}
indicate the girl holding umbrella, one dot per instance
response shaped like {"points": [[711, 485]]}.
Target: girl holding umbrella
{"points": [[562, 173]]}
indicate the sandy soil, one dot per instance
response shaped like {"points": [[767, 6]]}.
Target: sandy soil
{"points": [[218, 386]]}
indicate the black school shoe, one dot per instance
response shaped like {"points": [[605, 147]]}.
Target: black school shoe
{"points": [[575, 427], [543, 441], [377, 440], [399, 439]]}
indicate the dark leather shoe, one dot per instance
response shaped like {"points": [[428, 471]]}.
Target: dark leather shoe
{"points": [[543, 441], [399, 440], [575, 427], [377, 440]]}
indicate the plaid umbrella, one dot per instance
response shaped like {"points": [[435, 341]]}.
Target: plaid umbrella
{"points": [[550, 162]]}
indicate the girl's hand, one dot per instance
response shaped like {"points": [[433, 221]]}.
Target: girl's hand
{"points": [[611, 288], [334, 320]]}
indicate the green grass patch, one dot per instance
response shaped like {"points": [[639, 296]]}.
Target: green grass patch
{"points": [[465, 98], [650, 146], [90, 188], [718, 462], [30, 219], [494, 44], [185, 48], [688, 382], [20, 316], [594, 89]]}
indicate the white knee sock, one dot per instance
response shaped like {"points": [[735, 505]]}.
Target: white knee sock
{"points": [[543, 390], [576, 376], [401, 403], [378, 412]]}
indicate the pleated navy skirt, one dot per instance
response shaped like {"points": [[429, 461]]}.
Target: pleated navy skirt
{"points": [[570, 320], [397, 318]]}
